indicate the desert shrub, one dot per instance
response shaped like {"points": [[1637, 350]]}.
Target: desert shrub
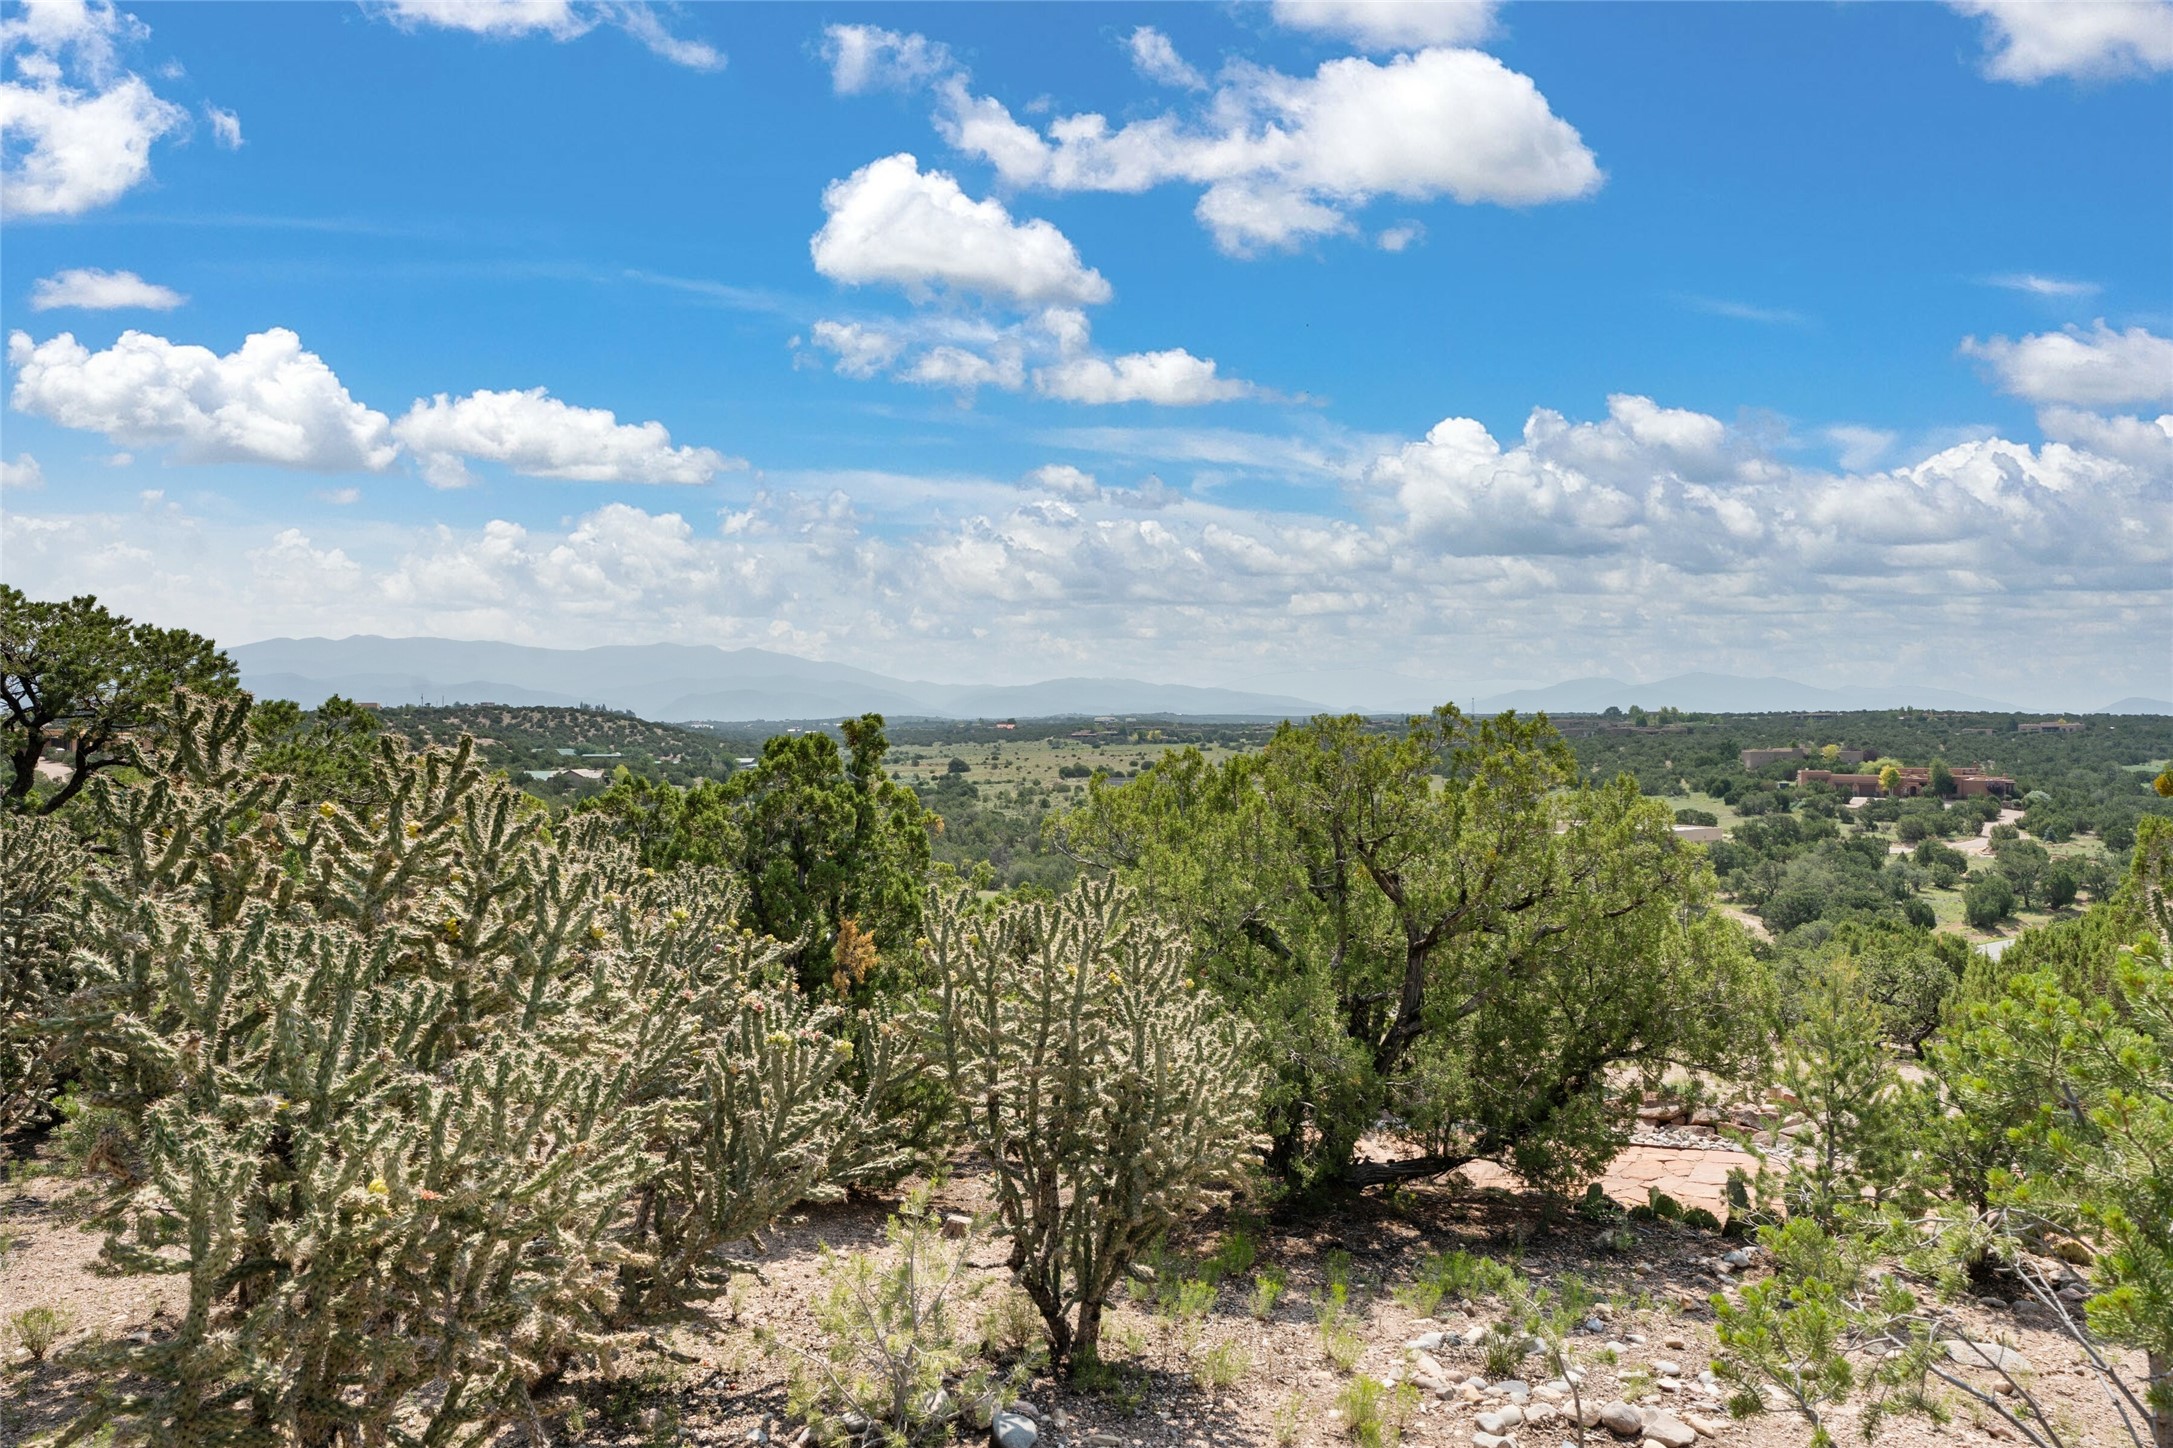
{"points": [[1268, 1285], [39, 861], [1455, 1276], [1104, 1088], [36, 1329], [1987, 900], [422, 1100], [1221, 1366], [895, 1358], [1373, 1412]]}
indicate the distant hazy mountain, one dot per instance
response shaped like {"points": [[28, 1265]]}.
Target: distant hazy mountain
{"points": [[2137, 704], [1726, 694], [679, 681]]}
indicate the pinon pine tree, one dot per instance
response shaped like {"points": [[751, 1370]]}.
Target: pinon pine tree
{"points": [[424, 1101], [1105, 1089]]}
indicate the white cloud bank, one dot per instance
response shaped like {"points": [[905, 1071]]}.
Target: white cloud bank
{"points": [[1391, 24], [101, 291], [2034, 40], [1546, 553], [1173, 378], [271, 402], [556, 19], [867, 57], [538, 436], [78, 127], [2098, 368]]}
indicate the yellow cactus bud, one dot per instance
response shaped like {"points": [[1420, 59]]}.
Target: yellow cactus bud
{"points": [[378, 1187], [328, 809]]}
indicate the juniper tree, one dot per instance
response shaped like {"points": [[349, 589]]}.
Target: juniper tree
{"points": [[39, 863], [1105, 1088], [424, 1099]]}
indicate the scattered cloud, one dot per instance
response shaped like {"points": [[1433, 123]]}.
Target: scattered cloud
{"points": [[1400, 237], [79, 127], [862, 349], [1391, 24], [268, 401], [95, 290], [22, 475], [1745, 312], [2145, 443], [890, 222], [2098, 368], [1156, 58], [1065, 481], [557, 19], [2038, 286], [1283, 159], [2028, 41], [225, 127], [538, 436], [338, 497], [1859, 447], [1171, 378], [863, 58]]}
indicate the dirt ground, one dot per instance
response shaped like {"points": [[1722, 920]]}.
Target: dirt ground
{"points": [[720, 1379]]}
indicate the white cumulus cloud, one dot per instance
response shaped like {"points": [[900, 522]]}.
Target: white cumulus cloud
{"points": [[862, 350], [2033, 40], [1391, 24], [1171, 378], [867, 57], [537, 435], [557, 19], [77, 128], [1283, 158], [268, 401], [890, 222], [225, 127], [23, 474], [1155, 57], [2097, 368], [95, 290]]}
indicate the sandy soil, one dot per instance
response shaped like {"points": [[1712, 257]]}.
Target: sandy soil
{"points": [[714, 1381]]}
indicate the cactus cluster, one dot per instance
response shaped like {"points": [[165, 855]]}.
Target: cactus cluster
{"points": [[423, 1102], [39, 862], [1105, 1089]]}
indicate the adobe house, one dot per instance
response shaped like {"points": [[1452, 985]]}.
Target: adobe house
{"points": [[1916, 779]]}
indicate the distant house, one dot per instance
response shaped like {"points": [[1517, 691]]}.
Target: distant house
{"points": [[2049, 726], [1915, 779], [1699, 834]]}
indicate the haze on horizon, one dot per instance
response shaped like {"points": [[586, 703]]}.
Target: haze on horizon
{"points": [[1314, 347]]}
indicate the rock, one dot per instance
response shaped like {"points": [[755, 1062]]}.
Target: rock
{"points": [[1473, 1335], [1703, 1427], [1614, 1347], [1620, 1419], [1142, 1272], [1059, 1419], [1502, 1420], [956, 1225], [1491, 1440], [1666, 1369], [1738, 1258], [1672, 1344], [1594, 1326], [1013, 1430], [1426, 1341], [2078, 1254], [1516, 1390], [1985, 1355], [1669, 1431], [1538, 1415], [1426, 1364]]}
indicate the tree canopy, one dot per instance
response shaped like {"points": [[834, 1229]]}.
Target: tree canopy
{"points": [[78, 675]]}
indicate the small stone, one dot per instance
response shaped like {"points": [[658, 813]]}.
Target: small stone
{"points": [[1491, 1440], [1985, 1355], [1614, 1347], [1502, 1420], [1620, 1419], [1740, 1257], [1666, 1369], [1673, 1343], [1538, 1415], [2078, 1254], [1425, 1342], [956, 1225], [1669, 1430], [1594, 1326], [1013, 1430], [1702, 1426]]}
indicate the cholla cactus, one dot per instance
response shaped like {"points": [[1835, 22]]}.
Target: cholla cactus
{"points": [[1104, 1087], [38, 865], [425, 1100]]}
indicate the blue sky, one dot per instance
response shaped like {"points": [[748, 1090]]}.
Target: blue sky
{"points": [[1376, 353]]}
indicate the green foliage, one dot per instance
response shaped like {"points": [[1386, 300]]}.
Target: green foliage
{"points": [[1454, 1276], [1374, 1414], [1268, 1286], [421, 1100], [895, 1357], [1834, 1063], [1442, 927], [1987, 900], [1103, 1087], [75, 675], [39, 863], [37, 1329], [831, 849], [1222, 1366]]}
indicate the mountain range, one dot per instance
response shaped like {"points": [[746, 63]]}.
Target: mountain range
{"points": [[677, 682]]}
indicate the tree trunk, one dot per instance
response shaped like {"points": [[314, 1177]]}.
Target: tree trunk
{"points": [[2158, 1394], [1088, 1345]]}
